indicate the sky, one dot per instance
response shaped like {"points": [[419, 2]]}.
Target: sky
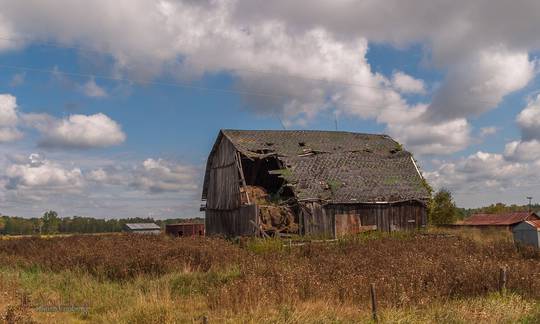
{"points": [[109, 108]]}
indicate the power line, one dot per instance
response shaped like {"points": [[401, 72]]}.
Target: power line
{"points": [[287, 75], [170, 84]]}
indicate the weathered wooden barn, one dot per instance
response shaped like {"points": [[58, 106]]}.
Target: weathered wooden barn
{"points": [[334, 183]]}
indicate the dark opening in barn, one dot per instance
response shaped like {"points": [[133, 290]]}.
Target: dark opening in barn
{"points": [[310, 182]]}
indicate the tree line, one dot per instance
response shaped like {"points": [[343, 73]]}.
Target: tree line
{"points": [[51, 223]]}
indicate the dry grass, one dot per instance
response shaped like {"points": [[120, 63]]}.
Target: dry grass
{"points": [[145, 279]]}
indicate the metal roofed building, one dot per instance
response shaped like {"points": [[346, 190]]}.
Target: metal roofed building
{"points": [[336, 182], [501, 220], [527, 233], [142, 228]]}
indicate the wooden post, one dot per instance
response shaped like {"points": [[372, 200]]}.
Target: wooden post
{"points": [[502, 280], [373, 302]]}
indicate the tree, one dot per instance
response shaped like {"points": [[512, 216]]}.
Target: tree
{"points": [[51, 222], [442, 209]]}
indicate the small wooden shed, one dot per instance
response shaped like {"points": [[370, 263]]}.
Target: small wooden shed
{"points": [[527, 233], [323, 183]]}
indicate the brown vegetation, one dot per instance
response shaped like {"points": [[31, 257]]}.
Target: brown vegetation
{"points": [[407, 270]]}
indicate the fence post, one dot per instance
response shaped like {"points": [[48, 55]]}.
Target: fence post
{"points": [[502, 280], [373, 302]]}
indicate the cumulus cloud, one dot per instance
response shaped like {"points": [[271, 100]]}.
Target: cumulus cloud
{"points": [[92, 89], [487, 171], [405, 83], [77, 131], [529, 120], [300, 59], [8, 119], [480, 82], [522, 150], [156, 176], [71, 185], [488, 131], [39, 173]]}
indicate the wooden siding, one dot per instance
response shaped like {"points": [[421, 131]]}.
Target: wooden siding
{"points": [[232, 223], [316, 222], [387, 217], [347, 224], [224, 181], [340, 219]]}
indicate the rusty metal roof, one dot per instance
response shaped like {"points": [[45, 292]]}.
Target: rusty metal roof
{"points": [[502, 219], [534, 223], [337, 167]]}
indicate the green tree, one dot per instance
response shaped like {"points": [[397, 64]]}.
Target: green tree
{"points": [[442, 209], [51, 222]]}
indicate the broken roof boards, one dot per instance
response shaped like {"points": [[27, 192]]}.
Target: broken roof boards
{"points": [[333, 167]]}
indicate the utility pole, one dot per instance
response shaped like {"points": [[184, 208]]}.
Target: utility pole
{"points": [[530, 199]]}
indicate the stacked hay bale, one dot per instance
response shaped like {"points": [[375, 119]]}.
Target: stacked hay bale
{"points": [[274, 217]]}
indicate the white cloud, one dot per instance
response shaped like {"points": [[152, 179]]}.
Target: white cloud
{"points": [[405, 83], [44, 174], [8, 119], [92, 89], [484, 171], [433, 138], [522, 150], [529, 120], [77, 131], [156, 176], [480, 82], [488, 131]]}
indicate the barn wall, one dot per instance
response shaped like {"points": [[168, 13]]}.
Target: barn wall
{"points": [[340, 219], [315, 220], [223, 179], [387, 217], [232, 223]]}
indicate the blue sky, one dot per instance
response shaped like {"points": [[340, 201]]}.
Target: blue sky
{"points": [[111, 112]]}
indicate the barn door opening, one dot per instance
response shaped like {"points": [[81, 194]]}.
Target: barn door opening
{"points": [[267, 188]]}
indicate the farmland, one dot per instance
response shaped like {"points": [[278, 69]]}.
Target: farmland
{"points": [[144, 279]]}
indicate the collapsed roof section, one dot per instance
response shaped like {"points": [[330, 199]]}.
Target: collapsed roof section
{"points": [[335, 167]]}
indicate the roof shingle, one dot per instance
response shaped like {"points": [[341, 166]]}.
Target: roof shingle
{"points": [[337, 167]]}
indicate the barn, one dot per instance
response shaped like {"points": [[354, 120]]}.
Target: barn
{"points": [[317, 183]]}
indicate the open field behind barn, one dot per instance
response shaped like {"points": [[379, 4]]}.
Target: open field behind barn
{"points": [[145, 279]]}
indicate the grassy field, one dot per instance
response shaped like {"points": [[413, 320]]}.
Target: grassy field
{"points": [[420, 278]]}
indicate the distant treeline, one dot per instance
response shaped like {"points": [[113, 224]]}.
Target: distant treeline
{"points": [[50, 223]]}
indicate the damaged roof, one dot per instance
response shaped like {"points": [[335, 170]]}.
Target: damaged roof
{"points": [[336, 167]]}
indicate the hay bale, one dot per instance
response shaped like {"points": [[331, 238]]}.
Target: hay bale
{"points": [[256, 195], [277, 219]]}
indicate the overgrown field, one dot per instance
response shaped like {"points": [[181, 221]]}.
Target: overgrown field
{"points": [[132, 278]]}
